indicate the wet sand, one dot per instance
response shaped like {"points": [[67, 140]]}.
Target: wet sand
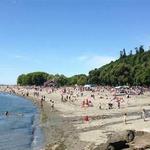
{"points": [[59, 130]]}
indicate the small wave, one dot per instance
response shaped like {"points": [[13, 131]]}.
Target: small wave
{"points": [[36, 133]]}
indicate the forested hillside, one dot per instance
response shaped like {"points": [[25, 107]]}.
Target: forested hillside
{"points": [[127, 70], [132, 69]]}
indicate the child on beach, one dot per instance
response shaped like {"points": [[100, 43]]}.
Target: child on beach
{"points": [[52, 104], [86, 103], [90, 104], [86, 119], [125, 118]]}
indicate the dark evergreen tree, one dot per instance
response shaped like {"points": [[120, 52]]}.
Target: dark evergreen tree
{"points": [[124, 53], [130, 53], [121, 54], [141, 49], [136, 50]]}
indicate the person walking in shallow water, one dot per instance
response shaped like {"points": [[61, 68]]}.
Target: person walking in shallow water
{"points": [[6, 113]]}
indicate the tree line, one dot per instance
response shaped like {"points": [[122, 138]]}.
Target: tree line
{"points": [[39, 78], [129, 69]]}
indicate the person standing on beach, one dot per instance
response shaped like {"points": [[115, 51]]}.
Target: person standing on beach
{"points": [[143, 114], [52, 104], [42, 100], [100, 106], [125, 118], [118, 102]]}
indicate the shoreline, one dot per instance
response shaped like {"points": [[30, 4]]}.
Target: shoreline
{"points": [[60, 133], [58, 130]]}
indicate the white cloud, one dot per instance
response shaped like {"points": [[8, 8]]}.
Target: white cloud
{"points": [[98, 61], [4, 68], [82, 58], [19, 56], [27, 59], [95, 61]]}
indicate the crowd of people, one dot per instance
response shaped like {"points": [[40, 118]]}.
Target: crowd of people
{"points": [[115, 97]]}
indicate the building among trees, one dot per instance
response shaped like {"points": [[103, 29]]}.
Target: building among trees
{"points": [[50, 83]]}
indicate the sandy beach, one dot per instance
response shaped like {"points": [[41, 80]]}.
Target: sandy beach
{"points": [[74, 75], [65, 125]]}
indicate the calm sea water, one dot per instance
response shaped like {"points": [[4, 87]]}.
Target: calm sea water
{"points": [[19, 130]]}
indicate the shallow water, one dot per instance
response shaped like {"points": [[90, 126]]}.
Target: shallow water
{"points": [[19, 130]]}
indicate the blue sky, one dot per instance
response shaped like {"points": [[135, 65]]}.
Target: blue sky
{"points": [[68, 36]]}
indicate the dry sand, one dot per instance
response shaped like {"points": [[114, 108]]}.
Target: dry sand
{"points": [[105, 121]]}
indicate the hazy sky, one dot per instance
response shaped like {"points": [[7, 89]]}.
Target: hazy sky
{"points": [[68, 36]]}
